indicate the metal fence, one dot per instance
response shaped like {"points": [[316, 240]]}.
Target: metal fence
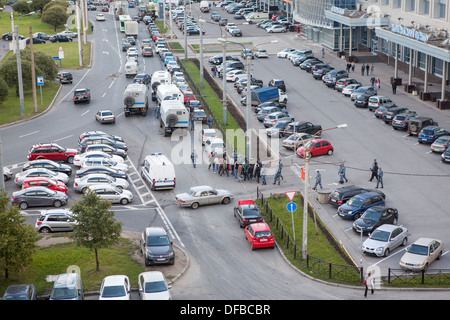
{"points": [[315, 266], [428, 277]]}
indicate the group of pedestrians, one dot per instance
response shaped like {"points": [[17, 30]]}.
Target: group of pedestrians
{"points": [[376, 173], [367, 68]]}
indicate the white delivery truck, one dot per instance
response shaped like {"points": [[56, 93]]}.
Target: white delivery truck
{"points": [[135, 99], [173, 115], [131, 28], [159, 77], [204, 6], [131, 69], [168, 92], [158, 171], [255, 17]]}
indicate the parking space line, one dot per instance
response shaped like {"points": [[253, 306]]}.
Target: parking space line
{"points": [[63, 138]]}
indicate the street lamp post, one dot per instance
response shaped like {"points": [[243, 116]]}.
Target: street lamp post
{"points": [[306, 192]]}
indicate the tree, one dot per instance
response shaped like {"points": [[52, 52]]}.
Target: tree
{"points": [[54, 15], [17, 237], [43, 62], [97, 227], [38, 5], [21, 7], [8, 71], [4, 91]]}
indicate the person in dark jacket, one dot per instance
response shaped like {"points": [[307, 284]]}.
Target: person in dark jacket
{"points": [[374, 170]]}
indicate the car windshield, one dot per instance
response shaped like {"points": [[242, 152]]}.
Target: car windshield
{"points": [[355, 202], [16, 297], [157, 241], [380, 235], [418, 249], [64, 293], [156, 286], [371, 215], [113, 291]]}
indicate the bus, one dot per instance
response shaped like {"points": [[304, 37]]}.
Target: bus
{"points": [[122, 20]]}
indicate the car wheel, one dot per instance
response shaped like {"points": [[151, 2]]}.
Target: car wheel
{"points": [[124, 201], [57, 203], [404, 242], [70, 160], [194, 205], [226, 200], [23, 205], [439, 256], [386, 252], [330, 152], [44, 230]]}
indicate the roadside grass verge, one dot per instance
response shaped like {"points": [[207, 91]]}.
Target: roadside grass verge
{"points": [[10, 108], [175, 47], [55, 259]]}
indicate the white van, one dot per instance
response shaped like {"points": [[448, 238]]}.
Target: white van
{"points": [[159, 171], [67, 286], [168, 92], [159, 77], [131, 69], [135, 99]]}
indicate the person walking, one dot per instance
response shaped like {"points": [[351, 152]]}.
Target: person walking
{"points": [[378, 83], [349, 65], [209, 121], [194, 157], [216, 165], [257, 171], [239, 172], [372, 67], [323, 52], [211, 160], [363, 67], [374, 170], [367, 69], [278, 175], [353, 66], [369, 283], [157, 111], [214, 70], [318, 180], [341, 174], [372, 81], [245, 168], [394, 87], [263, 174], [380, 178]]}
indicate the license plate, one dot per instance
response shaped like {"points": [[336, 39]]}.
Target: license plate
{"points": [[333, 200], [160, 259], [261, 240]]}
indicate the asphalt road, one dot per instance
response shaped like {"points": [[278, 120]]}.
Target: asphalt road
{"points": [[222, 264]]}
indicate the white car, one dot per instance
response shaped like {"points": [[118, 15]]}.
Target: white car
{"points": [[421, 254], [284, 53], [115, 287], [152, 286], [272, 118], [111, 193], [208, 134], [100, 17], [80, 158], [132, 50], [276, 29], [348, 90], [171, 64], [215, 145], [261, 53], [40, 172], [132, 57], [385, 239], [69, 34], [231, 75], [105, 162], [82, 184]]}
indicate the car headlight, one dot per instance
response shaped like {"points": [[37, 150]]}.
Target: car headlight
{"points": [[379, 249]]}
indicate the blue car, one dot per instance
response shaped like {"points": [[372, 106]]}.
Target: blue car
{"points": [[131, 5], [431, 133], [357, 205]]}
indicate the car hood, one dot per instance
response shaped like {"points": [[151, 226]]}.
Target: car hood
{"points": [[370, 243], [365, 223], [412, 258], [159, 250]]}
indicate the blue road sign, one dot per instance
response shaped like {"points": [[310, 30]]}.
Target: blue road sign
{"points": [[40, 81], [291, 206]]}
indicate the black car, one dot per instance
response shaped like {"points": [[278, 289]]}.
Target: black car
{"points": [[65, 77], [35, 41], [400, 121], [362, 101], [82, 95], [321, 72], [20, 292], [194, 104], [126, 46], [9, 36], [48, 164], [199, 115], [142, 78], [60, 38], [156, 246], [343, 194], [42, 36], [247, 214], [375, 217], [390, 114], [101, 169], [101, 140], [277, 83], [87, 134], [301, 126]]}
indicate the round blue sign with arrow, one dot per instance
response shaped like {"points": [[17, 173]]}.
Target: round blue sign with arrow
{"points": [[291, 206]]}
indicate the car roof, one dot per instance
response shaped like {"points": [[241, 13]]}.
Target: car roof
{"points": [[114, 280], [18, 288], [155, 231], [260, 226], [387, 227], [425, 241], [366, 195], [152, 276]]}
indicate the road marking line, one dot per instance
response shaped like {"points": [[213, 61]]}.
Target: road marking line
{"points": [[28, 134], [85, 112], [103, 95], [63, 138], [76, 85]]}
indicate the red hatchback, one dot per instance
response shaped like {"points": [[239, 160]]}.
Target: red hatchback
{"points": [[55, 185], [188, 96], [51, 151], [317, 147], [259, 235]]}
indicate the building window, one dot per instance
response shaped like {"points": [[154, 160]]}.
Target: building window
{"points": [[410, 5], [424, 7], [397, 3], [421, 60], [437, 67], [442, 7]]}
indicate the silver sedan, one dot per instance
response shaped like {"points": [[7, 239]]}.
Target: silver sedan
{"points": [[40, 172], [82, 184], [105, 162], [111, 193], [203, 195]]}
